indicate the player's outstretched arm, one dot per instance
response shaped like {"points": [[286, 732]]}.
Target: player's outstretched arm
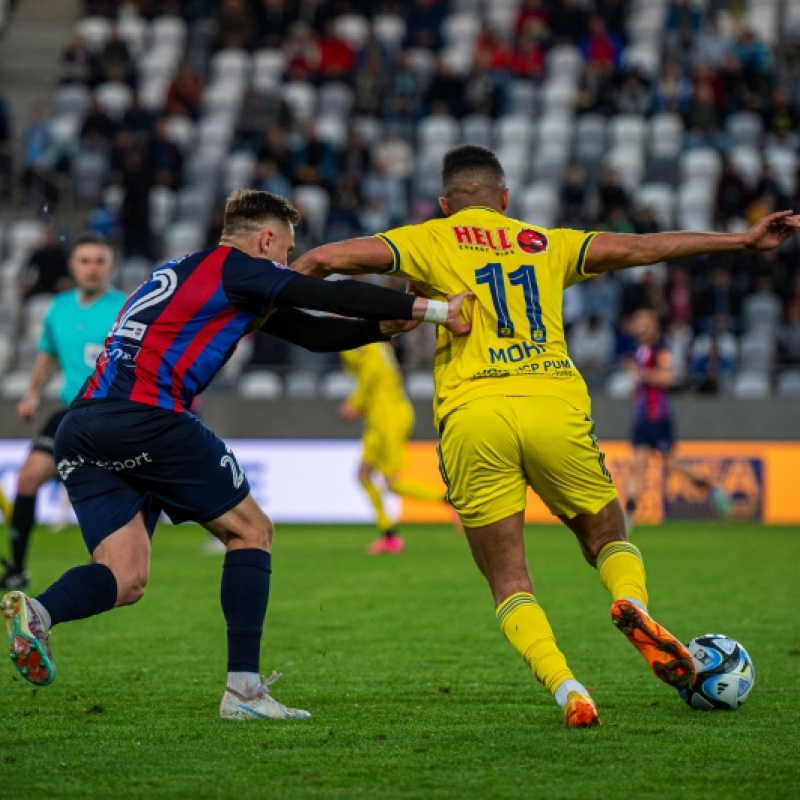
{"points": [[361, 256], [611, 251], [327, 334], [364, 300]]}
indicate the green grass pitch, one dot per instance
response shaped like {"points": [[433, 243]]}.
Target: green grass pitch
{"points": [[414, 691]]}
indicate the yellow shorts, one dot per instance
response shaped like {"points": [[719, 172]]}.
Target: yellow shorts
{"points": [[492, 448], [385, 437]]}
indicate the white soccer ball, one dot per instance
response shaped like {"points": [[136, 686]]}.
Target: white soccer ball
{"points": [[725, 673]]}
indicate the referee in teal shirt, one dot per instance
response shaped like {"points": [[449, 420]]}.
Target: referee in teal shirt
{"points": [[75, 328]]}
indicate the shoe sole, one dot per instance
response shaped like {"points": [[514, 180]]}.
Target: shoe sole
{"points": [[670, 660], [27, 653], [581, 713]]}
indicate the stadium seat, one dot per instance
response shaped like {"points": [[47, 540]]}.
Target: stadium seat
{"points": [[131, 273], [550, 161], [215, 130], [203, 166], [522, 100], [695, 201], [353, 28], [153, 92], [565, 62], [516, 160], [558, 96], [114, 98], [157, 63], [744, 128], [261, 385], [268, 67], [459, 59], [421, 61], [13, 385], [185, 236], [168, 32], [337, 385], [751, 385], [180, 131], [95, 30], [64, 131], [89, 172], [390, 29], [419, 385], [224, 97], [238, 171], [34, 312], [747, 161], [437, 132], [477, 129], [627, 129], [301, 383], [301, 98], [194, 204], [162, 204], [502, 14], [54, 387], [332, 128], [789, 383], [620, 385], [642, 56], [513, 130], [132, 29], [335, 99], [757, 352], [461, 29], [701, 163], [6, 351], [628, 161], [314, 203], [72, 99], [783, 161], [370, 129], [113, 197], [762, 312], [661, 198], [230, 65], [554, 129], [23, 237], [539, 204]]}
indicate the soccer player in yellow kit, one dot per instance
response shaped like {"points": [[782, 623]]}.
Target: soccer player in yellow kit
{"points": [[511, 408], [388, 415]]}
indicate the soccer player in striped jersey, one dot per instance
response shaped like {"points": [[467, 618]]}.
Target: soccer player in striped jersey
{"points": [[654, 420], [75, 328], [129, 448], [512, 410]]}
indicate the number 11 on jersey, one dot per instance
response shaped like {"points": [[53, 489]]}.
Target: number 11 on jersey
{"points": [[525, 277]]}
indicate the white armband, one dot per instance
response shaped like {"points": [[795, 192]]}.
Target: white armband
{"points": [[436, 311]]}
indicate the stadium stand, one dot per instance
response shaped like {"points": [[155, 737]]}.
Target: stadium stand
{"points": [[623, 115]]}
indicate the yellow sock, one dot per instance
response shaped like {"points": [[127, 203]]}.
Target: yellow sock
{"points": [[621, 571], [384, 521], [417, 490], [525, 625], [5, 508]]}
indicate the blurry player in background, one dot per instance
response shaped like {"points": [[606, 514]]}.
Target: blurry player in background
{"points": [[653, 428], [75, 328], [379, 397], [511, 409], [128, 448]]}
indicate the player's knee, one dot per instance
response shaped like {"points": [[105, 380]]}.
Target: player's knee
{"points": [[29, 481], [258, 535], [131, 588]]}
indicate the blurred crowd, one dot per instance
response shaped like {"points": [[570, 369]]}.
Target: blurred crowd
{"points": [[708, 71]]}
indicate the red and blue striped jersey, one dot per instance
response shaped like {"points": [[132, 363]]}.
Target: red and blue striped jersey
{"points": [[651, 402], [181, 325]]}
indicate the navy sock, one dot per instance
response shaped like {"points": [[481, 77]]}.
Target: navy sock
{"points": [[22, 521], [244, 594], [79, 593]]}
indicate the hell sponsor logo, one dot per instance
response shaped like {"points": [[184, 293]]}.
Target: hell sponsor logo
{"points": [[473, 237]]}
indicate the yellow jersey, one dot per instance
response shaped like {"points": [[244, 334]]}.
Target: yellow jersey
{"points": [[518, 273], [379, 386]]}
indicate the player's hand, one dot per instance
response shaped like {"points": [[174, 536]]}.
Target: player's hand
{"points": [[455, 322], [348, 413], [772, 230], [28, 406], [391, 328]]}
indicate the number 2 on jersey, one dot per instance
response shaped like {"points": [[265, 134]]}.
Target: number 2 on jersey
{"points": [[525, 276]]}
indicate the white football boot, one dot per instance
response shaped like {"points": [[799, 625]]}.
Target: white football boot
{"points": [[261, 706]]}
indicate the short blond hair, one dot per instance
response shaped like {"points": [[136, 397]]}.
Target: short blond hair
{"points": [[248, 210]]}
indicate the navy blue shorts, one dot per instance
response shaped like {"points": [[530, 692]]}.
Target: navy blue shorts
{"points": [[658, 435], [118, 458], [46, 436]]}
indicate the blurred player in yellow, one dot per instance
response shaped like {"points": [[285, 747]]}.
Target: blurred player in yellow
{"points": [[379, 397], [511, 408]]}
